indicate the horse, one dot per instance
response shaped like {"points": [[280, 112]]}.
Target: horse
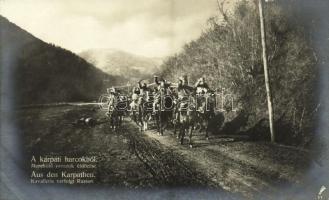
{"points": [[186, 119], [141, 110], [205, 111], [135, 110], [121, 107], [164, 105], [112, 112], [146, 107]]}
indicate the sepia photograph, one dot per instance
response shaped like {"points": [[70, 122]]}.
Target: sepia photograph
{"points": [[164, 99]]}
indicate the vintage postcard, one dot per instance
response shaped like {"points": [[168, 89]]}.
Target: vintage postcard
{"points": [[164, 99]]}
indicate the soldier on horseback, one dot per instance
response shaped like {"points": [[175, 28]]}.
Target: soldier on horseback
{"points": [[146, 91], [134, 98], [143, 88], [163, 104], [203, 91], [184, 92], [205, 104], [183, 88], [185, 115], [163, 85], [112, 112], [162, 89], [141, 105], [201, 86], [111, 97]]}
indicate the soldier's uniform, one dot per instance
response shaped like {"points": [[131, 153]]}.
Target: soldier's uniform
{"points": [[162, 84], [143, 88], [136, 93], [201, 86], [112, 99], [202, 91], [184, 93], [134, 98], [162, 89]]}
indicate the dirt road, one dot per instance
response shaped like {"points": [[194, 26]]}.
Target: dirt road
{"points": [[129, 158]]}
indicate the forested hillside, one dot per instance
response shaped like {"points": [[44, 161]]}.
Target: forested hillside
{"points": [[44, 73], [228, 55]]}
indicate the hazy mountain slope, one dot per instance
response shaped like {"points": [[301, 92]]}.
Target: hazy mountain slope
{"points": [[37, 72], [122, 63]]}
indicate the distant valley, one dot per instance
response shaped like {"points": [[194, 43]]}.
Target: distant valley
{"points": [[120, 63]]}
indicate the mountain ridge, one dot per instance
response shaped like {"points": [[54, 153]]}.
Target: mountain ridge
{"points": [[121, 63], [41, 72]]}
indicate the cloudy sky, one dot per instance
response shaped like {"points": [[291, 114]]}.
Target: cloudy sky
{"points": [[154, 28]]}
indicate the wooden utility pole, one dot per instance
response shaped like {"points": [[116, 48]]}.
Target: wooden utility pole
{"points": [[266, 74], [128, 87]]}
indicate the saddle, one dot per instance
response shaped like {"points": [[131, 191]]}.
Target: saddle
{"points": [[183, 106], [186, 106]]}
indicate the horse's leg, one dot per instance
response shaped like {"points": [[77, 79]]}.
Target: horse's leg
{"points": [[116, 121], [145, 122], [207, 129], [165, 121], [142, 126], [190, 130], [176, 123], [145, 125], [137, 118], [178, 128], [163, 125], [161, 131], [119, 122], [201, 124], [175, 128], [182, 134], [157, 122], [140, 119], [148, 118], [160, 123], [134, 117], [111, 121]]}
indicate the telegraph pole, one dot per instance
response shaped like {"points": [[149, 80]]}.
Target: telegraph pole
{"points": [[266, 74], [128, 87]]}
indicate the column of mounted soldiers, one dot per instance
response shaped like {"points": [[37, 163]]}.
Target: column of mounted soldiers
{"points": [[178, 104], [152, 92], [163, 87]]}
